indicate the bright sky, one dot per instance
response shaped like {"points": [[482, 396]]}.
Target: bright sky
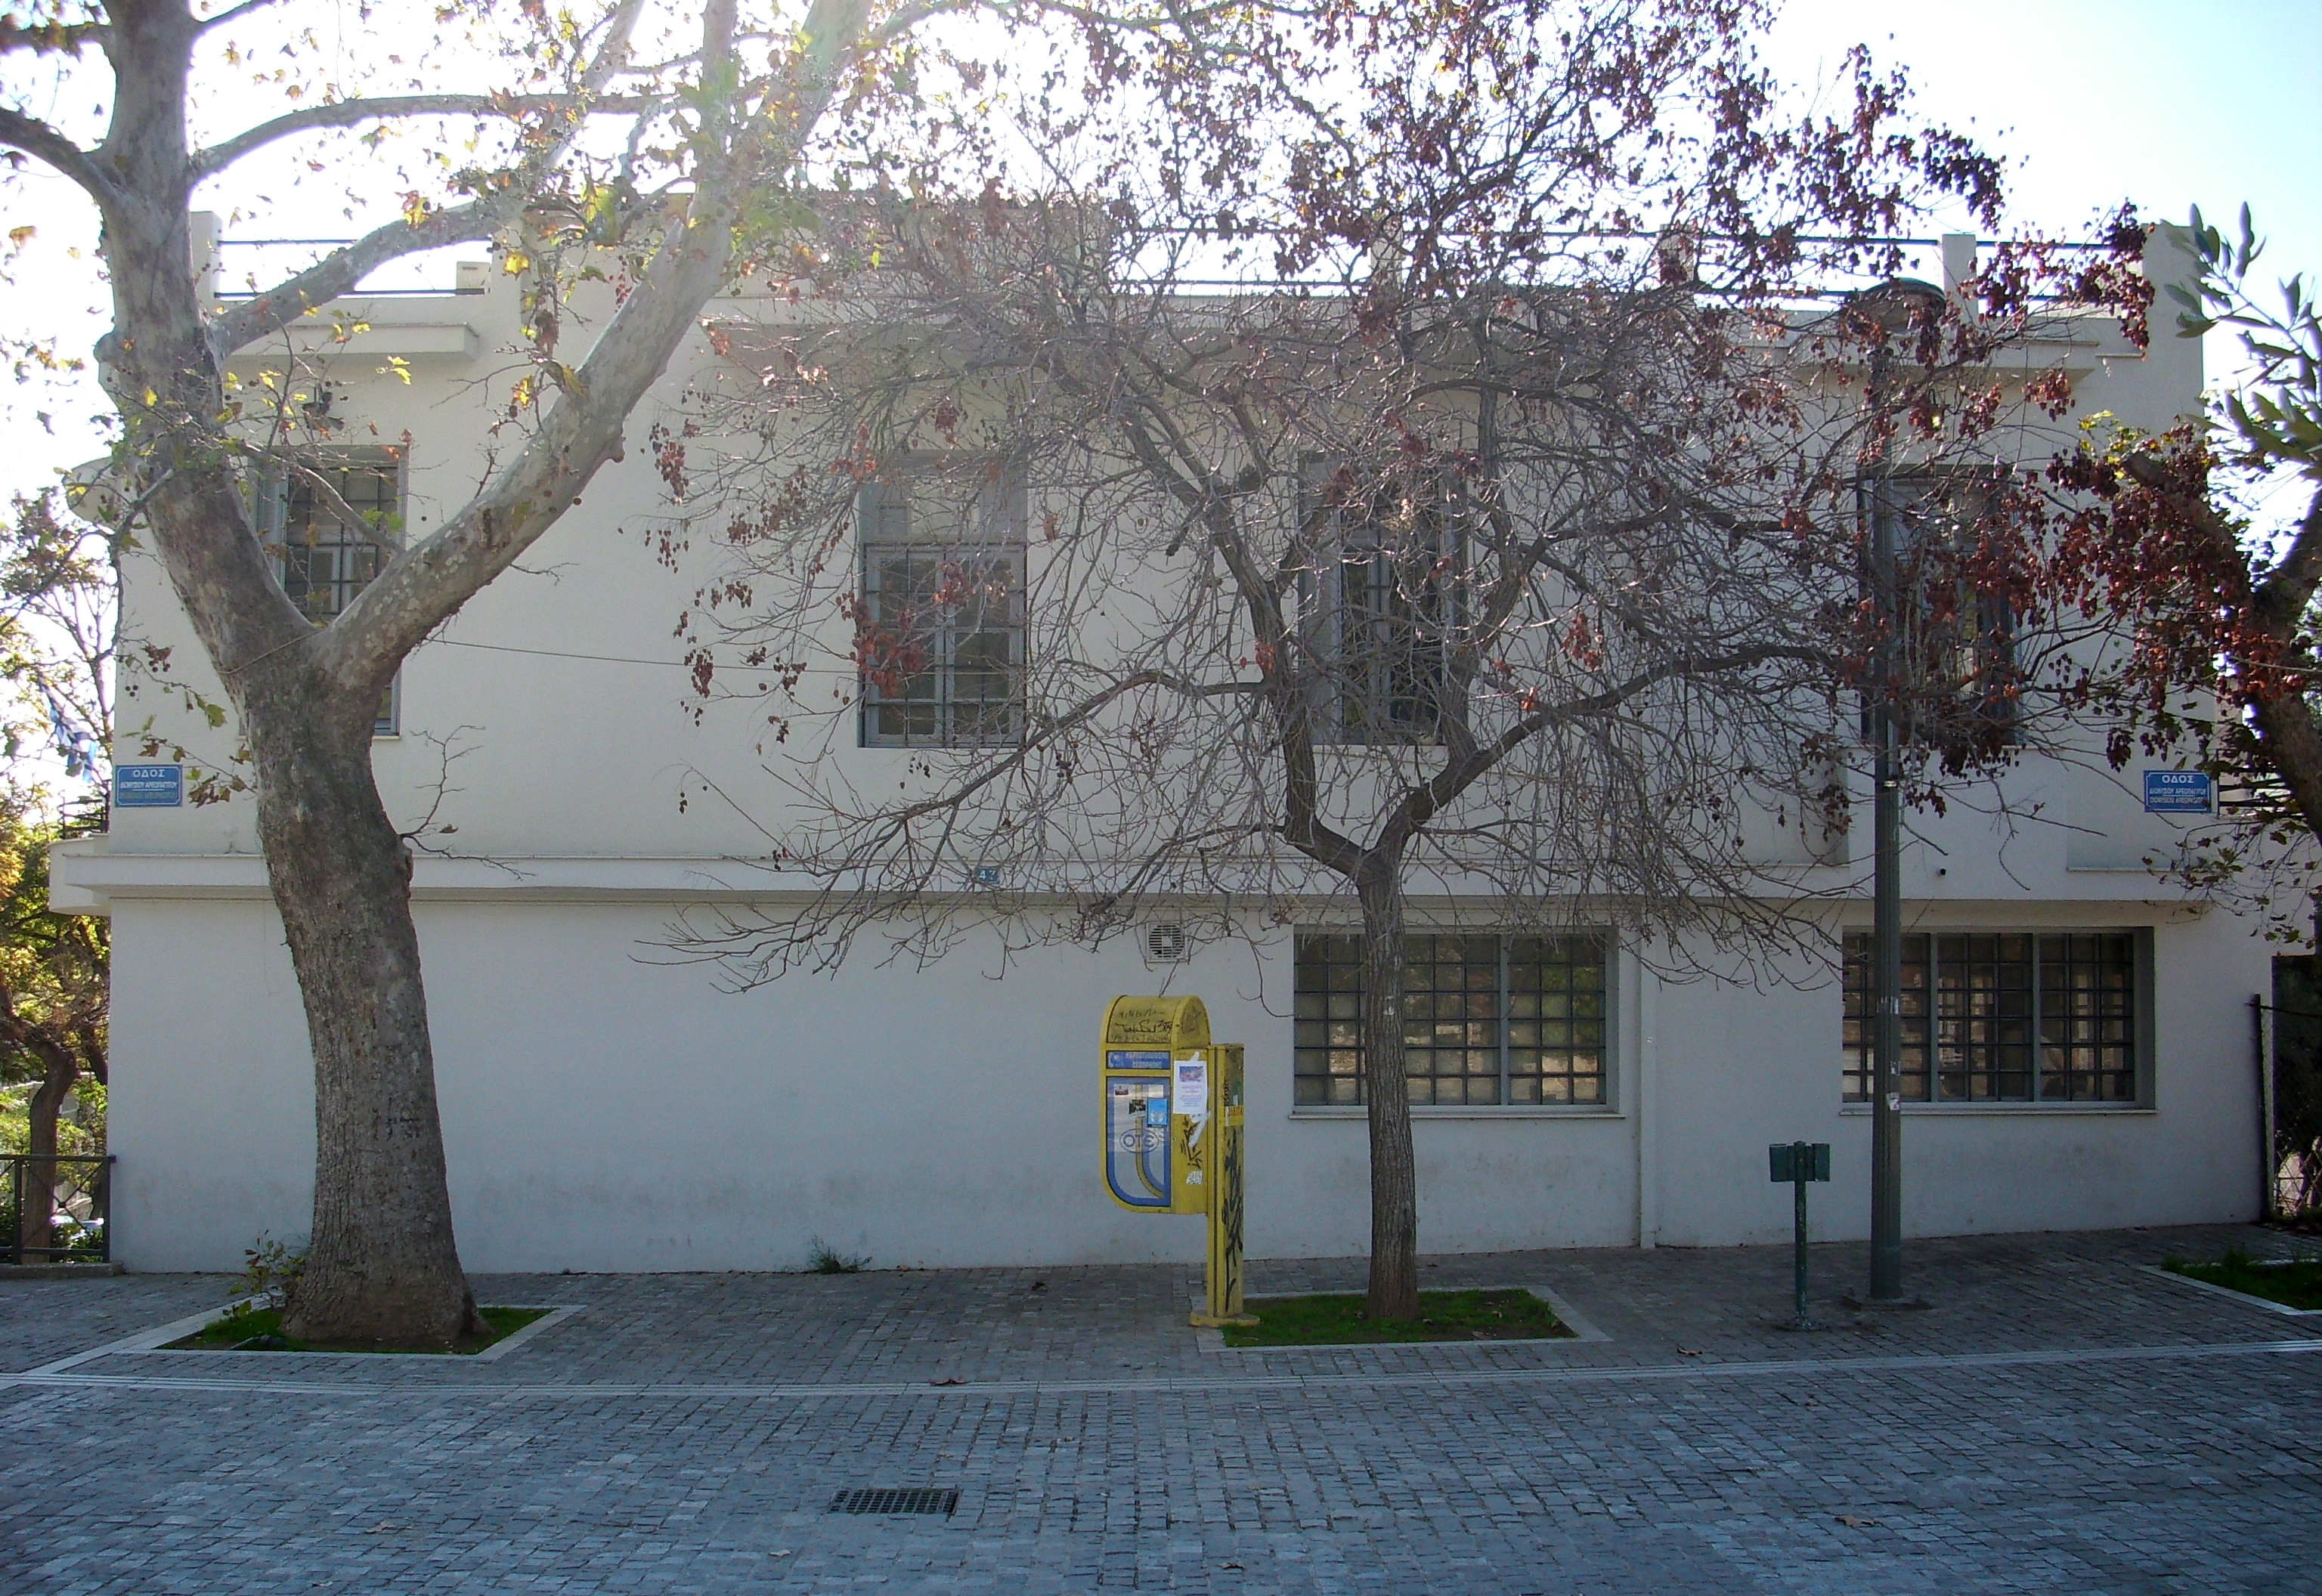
{"points": [[2090, 101]]}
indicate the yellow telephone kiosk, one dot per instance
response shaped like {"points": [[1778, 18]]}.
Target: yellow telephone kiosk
{"points": [[1173, 1130]]}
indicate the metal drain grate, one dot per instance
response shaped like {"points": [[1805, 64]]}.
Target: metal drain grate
{"points": [[918, 1499]]}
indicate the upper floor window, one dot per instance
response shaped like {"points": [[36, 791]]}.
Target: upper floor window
{"points": [[939, 630], [1957, 679], [1999, 1017], [1486, 1019], [1383, 605], [333, 525]]}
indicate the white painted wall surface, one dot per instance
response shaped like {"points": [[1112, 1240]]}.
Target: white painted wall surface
{"points": [[604, 1110]]}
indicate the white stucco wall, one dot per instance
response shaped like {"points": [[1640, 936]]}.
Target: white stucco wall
{"points": [[605, 1110]]}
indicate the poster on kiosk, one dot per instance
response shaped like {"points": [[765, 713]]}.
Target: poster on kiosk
{"points": [[1173, 1130]]}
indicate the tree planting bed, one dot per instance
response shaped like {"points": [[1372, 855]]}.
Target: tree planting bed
{"points": [[1337, 1319], [261, 1330]]}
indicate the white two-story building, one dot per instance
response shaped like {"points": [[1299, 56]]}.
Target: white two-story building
{"points": [[2085, 1059]]}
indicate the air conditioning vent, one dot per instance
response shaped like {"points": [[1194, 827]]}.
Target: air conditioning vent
{"points": [[1168, 943]]}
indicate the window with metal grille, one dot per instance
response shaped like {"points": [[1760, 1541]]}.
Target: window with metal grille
{"points": [[333, 525], [2003, 1017], [1510, 1020], [940, 632], [1957, 684], [1382, 607]]}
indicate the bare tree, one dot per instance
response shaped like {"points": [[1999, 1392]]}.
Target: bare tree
{"points": [[1508, 546], [669, 142]]}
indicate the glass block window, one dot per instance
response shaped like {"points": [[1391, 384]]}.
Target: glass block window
{"points": [[1487, 1019], [2002, 1018], [940, 632]]}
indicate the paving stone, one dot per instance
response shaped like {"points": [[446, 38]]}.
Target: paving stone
{"points": [[687, 1432]]}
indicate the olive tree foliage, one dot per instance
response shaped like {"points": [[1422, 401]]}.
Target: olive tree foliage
{"points": [[58, 581], [1499, 545], [54, 974], [672, 143], [2203, 545]]}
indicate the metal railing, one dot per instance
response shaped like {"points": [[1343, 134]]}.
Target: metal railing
{"points": [[56, 1209]]}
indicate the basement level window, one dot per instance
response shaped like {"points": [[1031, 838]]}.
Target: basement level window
{"points": [[2003, 1017], [1487, 1019]]}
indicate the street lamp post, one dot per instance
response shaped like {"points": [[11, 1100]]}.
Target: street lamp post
{"points": [[1891, 308], [1885, 935]]}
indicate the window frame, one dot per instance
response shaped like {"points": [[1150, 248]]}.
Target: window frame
{"points": [[271, 516], [1607, 1019], [1012, 547], [1980, 699], [2142, 1025], [1342, 709]]}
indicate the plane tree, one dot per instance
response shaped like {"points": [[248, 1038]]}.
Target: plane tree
{"points": [[675, 140]]}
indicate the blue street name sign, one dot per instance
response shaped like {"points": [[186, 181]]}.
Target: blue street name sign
{"points": [[2178, 792], [149, 787]]}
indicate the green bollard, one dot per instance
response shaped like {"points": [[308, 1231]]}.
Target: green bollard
{"points": [[1798, 1163]]}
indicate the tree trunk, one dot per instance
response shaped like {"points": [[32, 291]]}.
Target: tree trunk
{"points": [[36, 1213], [381, 1266], [1394, 1184]]}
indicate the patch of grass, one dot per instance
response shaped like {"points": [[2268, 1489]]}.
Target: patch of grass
{"points": [[822, 1258], [261, 1330], [2296, 1284], [1339, 1320]]}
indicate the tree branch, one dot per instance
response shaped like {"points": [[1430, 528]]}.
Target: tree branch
{"points": [[328, 278], [2288, 588], [37, 138], [232, 11], [209, 162], [60, 38], [364, 644], [1423, 803], [339, 271], [2279, 604]]}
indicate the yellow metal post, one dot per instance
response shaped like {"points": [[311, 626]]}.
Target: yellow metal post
{"points": [[1225, 1210]]}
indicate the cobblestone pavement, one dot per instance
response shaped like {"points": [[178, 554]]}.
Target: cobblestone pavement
{"points": [[2060, 1420]]}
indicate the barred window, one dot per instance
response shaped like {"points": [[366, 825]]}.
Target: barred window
{"points": [[1382, 609], [2011, 1017], [332, 525], [1487, 1019], [342, 522], [940, 629], [1959, 679]]}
